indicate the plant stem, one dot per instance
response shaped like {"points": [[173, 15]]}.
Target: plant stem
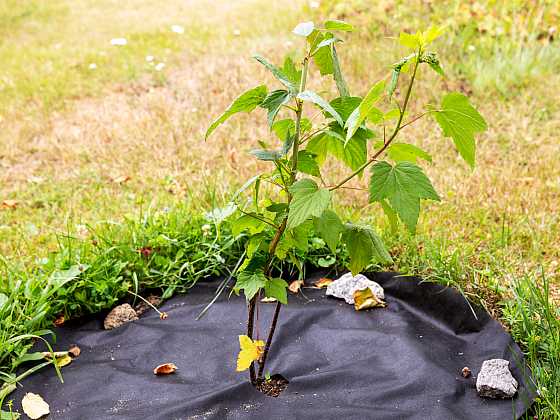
{"points": [[250, 323], [392, 137], [282, 228]]}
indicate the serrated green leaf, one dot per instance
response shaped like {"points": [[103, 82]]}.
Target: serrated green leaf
{"points": [[432, 60], [359, 115], [345, 105], [338, 25], [391, 215], [291, 72], [5, 415], [307, 164], [404, 152], [276, 288], [308, 200], [322, 57], [353, 153], [310, 96], [403, 185], [329, 227], [304, 29], [250, 282], [282, 127], [432, 33], [276, 72], [364, 246], [296, 238], [247, 222], [247, 102], [273, 103], [461, 121]]}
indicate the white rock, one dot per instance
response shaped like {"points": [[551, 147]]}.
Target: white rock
{"points": [[346, 285], [495, 380]]}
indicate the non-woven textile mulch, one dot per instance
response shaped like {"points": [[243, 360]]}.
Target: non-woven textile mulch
{"points": [[400, 362]]}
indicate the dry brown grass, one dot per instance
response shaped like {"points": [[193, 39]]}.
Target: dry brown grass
{"points": [[152, 132]]}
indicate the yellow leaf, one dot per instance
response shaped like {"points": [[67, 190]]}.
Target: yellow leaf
{"points": [[63, 360], [366, 299], [295, 286], [250, 351], [34, 406]]}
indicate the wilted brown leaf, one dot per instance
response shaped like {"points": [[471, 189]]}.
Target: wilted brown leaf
{"points": [[59, 321], [34, 406], [9, 204], [165, 369], [74, 351], [295, 286], [322, 283], [466, 372], [366, 299]]}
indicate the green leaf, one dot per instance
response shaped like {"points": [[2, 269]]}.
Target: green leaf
{"points": [[337, 74], [282, 127], [460, 121], [247, 222], [404, 152], [322, 57], [403, 185], [273, 102], [247, 102], [391, 215], [310, 96], [358, 116], [353, 153], [276, 288], [307, 163], [307, 201], [294, 238], [291, 72], [411, 41], [345, 105], [325, 43], [279, 74], [329, 227], [266, 155], [250, 282], [304, 29], [364, 246], [338, 25], [432, 33], [5, 415]]}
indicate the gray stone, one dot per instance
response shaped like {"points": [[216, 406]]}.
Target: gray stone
{"points": [[495, 380], [346, 285], [119, 315]]}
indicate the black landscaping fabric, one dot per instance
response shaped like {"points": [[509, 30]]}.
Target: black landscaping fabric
{"points": [[400, 362]]}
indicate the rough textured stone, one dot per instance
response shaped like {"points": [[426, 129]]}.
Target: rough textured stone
{"points": [[119, 315], [346, 285], [495, 380]]}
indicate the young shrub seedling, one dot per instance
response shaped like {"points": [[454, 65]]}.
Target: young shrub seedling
{"points": [[293, 197]]}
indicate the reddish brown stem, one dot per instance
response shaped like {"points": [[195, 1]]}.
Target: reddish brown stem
{"points": [[250, 324], [269, 339]]}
